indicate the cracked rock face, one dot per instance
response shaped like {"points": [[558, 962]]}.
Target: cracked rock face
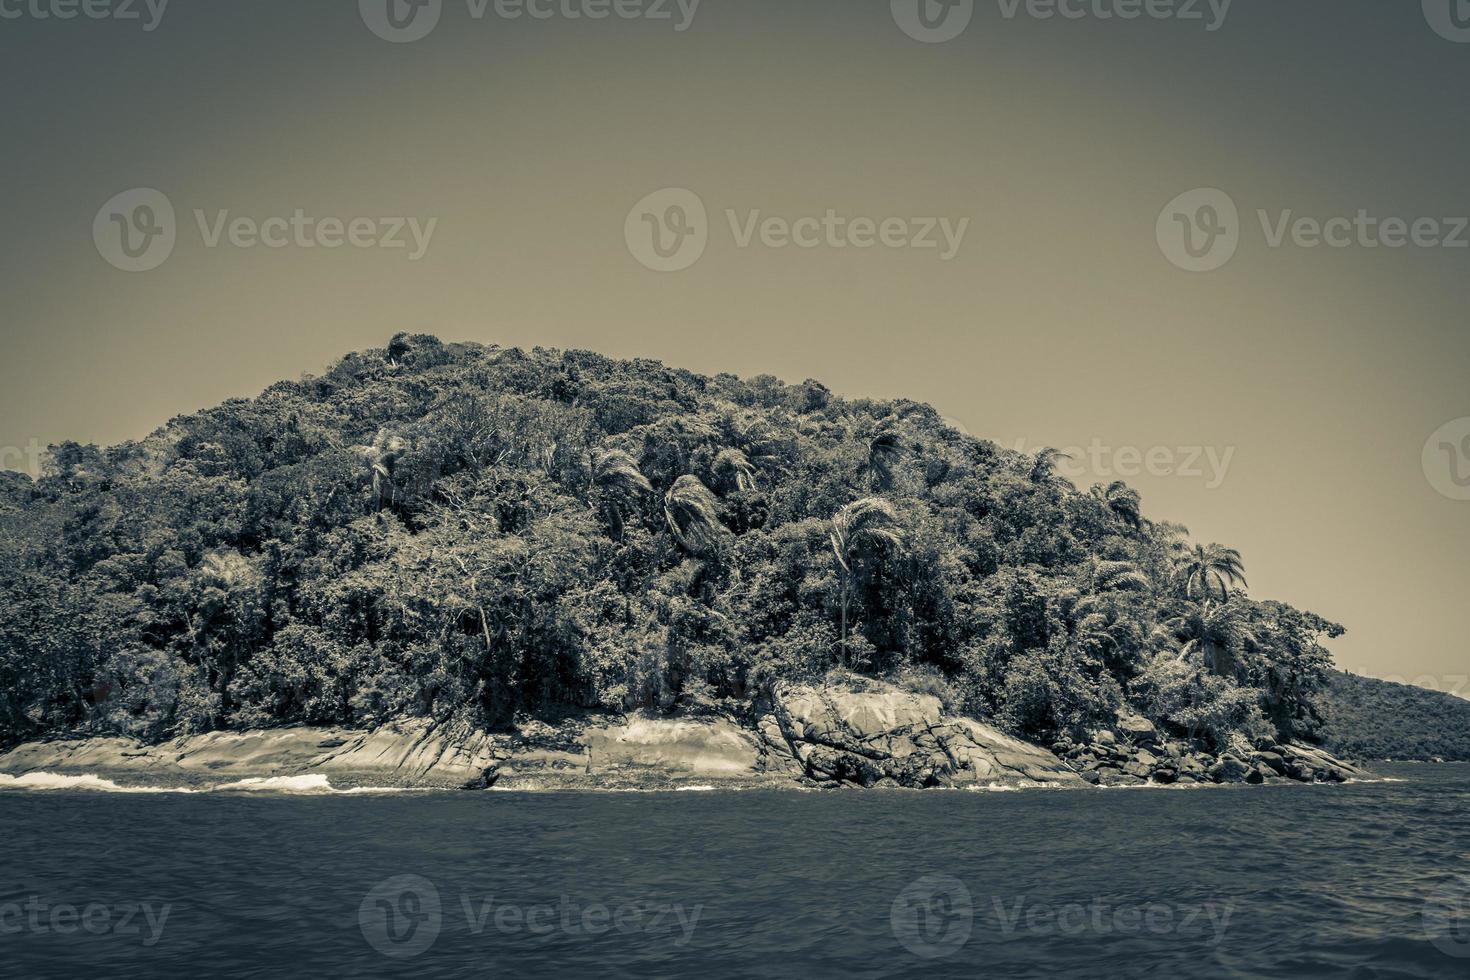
{"points": [[885, 736]]}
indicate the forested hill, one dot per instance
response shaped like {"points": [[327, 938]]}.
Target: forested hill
{"points": [[1373, 719], [480, 534]]}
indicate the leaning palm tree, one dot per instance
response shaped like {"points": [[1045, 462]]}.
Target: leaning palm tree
{"points": [[693, 515], [1121, 500], [1215, 631], [1210, 569], [859, 532], [620, 484], [734, 469], [382, 456], [1044, 465], [885, 450]]}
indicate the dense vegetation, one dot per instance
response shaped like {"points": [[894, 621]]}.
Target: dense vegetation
{"points": [[481, 533], [1373, 719]]}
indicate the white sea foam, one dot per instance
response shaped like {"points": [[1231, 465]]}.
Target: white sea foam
{"points": [[88, 781], [317, 785]]}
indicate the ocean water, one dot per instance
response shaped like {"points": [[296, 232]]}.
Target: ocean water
{"points": [[1358, 881]]}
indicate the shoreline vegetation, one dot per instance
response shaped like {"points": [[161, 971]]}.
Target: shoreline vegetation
{"points": [[466, 544]]}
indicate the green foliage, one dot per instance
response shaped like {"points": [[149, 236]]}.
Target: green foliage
{"points": [[474, 533]]}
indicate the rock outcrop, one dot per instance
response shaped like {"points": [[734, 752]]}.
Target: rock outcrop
{"points": [[862, 733], [885, 736], [1136, 753]]}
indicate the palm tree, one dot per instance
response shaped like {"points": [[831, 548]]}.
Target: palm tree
{"points": [[859, 532], [693, 515], [1044, 465], [1106, 610], [885, 450], [1215, 630], [1100, 576], [1206, 569], [382, 456], [227, 608], [734, 469], [1120, 499], [619, 483]]}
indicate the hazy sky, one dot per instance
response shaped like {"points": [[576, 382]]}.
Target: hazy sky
{"points": [[1291, 390]]}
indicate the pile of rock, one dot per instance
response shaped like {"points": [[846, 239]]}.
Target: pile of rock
{"points": [[1134, 752]]}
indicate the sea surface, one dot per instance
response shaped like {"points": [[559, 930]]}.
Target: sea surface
{"points": [[1358, 881]]}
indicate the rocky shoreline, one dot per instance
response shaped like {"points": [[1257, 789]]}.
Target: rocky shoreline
{"points": [[867, 735]]}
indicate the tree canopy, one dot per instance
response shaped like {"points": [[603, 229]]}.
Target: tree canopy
{"points": [[478, 534]]}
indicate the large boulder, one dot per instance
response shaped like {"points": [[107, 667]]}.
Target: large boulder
{"points": [[871, 733], [1136, 728], [1228, 769]]}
